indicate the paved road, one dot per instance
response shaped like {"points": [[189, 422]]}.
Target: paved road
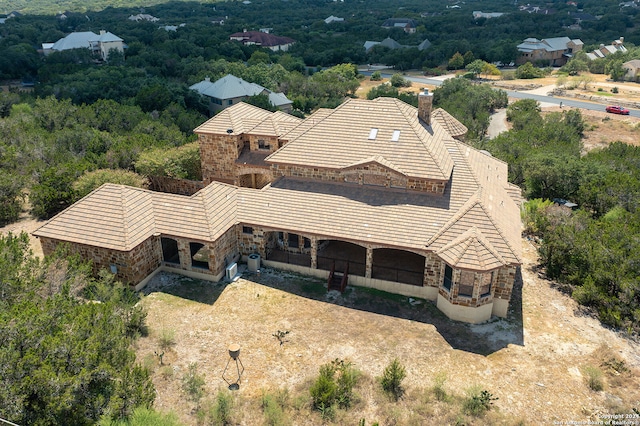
{"points": [[570, 103]]}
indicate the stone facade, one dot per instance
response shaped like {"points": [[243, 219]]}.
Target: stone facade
{"points": [[130, 267], [175, 186], [218, 155], [369, 174]]}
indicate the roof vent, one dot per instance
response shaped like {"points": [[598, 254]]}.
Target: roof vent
{"points": [[229, 131], [373, 134]]}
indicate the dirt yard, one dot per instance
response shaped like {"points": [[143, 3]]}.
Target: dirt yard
{"points": [[534, 361]]}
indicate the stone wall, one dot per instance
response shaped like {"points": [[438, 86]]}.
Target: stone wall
{"points": [[371, 174], [175, 186], [131, 266], [218, 154], [502, 281]]}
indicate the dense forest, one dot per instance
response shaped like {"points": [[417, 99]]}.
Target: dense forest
{"points": [[86, 122]]}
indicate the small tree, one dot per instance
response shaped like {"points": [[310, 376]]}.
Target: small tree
{"points": [[193, 384], [392, 378], [376, 76], [475, 67], [398, 80], [456, 62], [615, 70]]}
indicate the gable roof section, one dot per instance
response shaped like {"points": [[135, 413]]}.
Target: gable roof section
{"points": [[239, 118], [338, 138], [449, 122], [471, 250], [276, 124], [120, 217], [106, 37], [228, 87]]}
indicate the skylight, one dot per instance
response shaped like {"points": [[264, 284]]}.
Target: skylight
{"points": [[373, 133], [396, 136]]}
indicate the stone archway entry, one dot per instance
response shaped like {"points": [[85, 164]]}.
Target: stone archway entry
{"points": [[341, 252]]}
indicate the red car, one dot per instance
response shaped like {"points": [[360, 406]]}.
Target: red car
{"points": [[617, 109]]}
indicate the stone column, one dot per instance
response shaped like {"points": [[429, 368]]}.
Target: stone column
{"points": [[314, 252], [369, 263]]}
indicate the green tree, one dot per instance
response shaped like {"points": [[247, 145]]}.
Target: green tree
{"points": [[397, 80], [476, 67], [392, 378], [63, 361], [527, 71], [93, 180], [456, 62], [182, 162], [615, 70]]}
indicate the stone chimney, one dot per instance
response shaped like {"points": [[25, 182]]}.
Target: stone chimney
{"points": [[425, 104]]}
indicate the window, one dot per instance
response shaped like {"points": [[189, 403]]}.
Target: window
{"points": [[170, 253], [247, 230], [293, 241], [465, 286], [448, 277], [485, 284], [263, 145], [396, 136], [373, 134], [230, 102], [307, 243], [199, 255]]}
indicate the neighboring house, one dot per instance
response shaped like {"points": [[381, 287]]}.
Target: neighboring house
{"points": [[633, 70], [378, 190], [486, 15], [172, 28], [390, 43], [143, 17], [604, 51], [259, 38], [99, 44], [230, 90], [536, 9], [332, 19], [218, 21], [552, 51], [407, 25]]}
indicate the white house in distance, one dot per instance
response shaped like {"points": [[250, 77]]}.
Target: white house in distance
{"points": [[603, 51], [230, 90], [99, 44]]}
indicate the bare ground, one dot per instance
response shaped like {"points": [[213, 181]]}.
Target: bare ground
{"points": [[533, 361]]}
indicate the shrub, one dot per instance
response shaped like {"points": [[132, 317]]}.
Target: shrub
{"points": [[193, 384], [92, 180], [398, 80], [438, 387], [376, 76], [477, 402], [614, 90], [334, 386], [273, 408], [180, 163], [392, 378], [221, 412], [167, 338], [593, 377]]}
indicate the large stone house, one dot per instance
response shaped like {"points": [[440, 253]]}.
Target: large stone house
{"points": [[99, 44], [379, 190], [554, 52]]}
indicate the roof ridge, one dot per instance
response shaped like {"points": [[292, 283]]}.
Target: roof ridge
{"points": [[466, 207]]}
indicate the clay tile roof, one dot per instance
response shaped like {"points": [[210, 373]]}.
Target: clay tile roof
{"points": [[119, 217], [239, 118], [112, 216], [276, 124], [347, 130], [449, 122], [471, 250]]}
